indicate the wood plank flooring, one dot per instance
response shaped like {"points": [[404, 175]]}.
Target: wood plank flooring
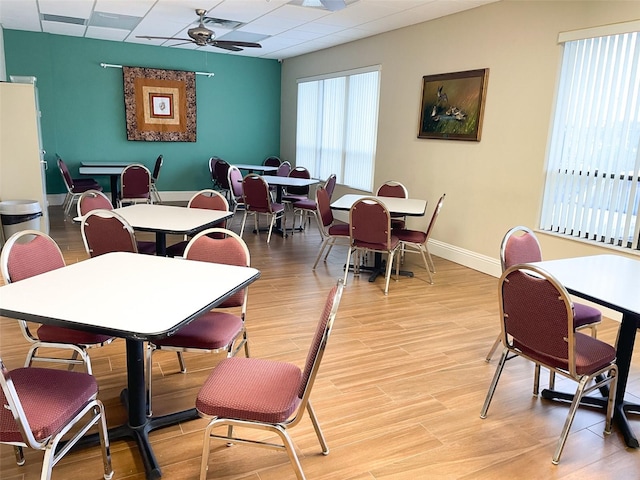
{"points": [[398, 395]]}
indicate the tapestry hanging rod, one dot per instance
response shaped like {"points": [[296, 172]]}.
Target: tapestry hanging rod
{"points": [[110, 65]]}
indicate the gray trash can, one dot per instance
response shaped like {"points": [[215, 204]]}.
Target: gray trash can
{"points": [[18, 215]]}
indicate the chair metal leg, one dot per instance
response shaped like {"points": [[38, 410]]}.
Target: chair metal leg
{"points": [[494, 383], [346, 266], [322, 247], [244, 220], [493, 348], [19, 453], [570, 416], [388, 274], [316, 427], [426, 265]]}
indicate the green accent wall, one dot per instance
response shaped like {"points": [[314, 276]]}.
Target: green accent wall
{"points": [[82, 105]]}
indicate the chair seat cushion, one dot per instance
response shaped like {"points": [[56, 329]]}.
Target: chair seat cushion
{"points": [[49, 397], [211, 331], [148, 248], [377, 246], [294, 198], [306, 204], [83, 187], [177, 249], [591, 355], [251, 389], [84, 181], [50, 333], [585, 315], [410, 236], [339, 230]]}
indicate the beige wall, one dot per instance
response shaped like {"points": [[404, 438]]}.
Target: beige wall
{"points": [[493, 184]]}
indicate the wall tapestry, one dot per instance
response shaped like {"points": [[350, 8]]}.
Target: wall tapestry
{"points": [[452, 105], [160, 105]]}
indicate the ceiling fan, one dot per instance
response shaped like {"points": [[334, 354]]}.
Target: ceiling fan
{"points": [[203, 37]]}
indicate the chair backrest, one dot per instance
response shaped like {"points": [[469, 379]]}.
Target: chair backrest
{"points": [[93, 200], [218, 245], [64, 171], [392, 189], [235, 182], [537, 316], [28, 253], [284, 169], [256, 194], [272, 161], [323, 205], [299, 172], [434, 217], [319, 343], [105, 231], [330, 185], [135, 182], [221, 169], [519, 245], [212, 170], [370, 224], [156, 168], [209, 199]]}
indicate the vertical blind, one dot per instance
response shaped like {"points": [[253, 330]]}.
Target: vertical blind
{"points": [[337, 122], [592, 188]]}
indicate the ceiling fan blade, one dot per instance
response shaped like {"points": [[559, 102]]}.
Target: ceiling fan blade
{"points": [[237, 44], [148, 37], [225, 45]]}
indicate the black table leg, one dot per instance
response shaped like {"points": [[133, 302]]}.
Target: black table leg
{"points": [[114, 190], [161, 244], [139, 425]]}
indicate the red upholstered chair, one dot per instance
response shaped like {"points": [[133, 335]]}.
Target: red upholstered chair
{"points": [[415, 241], [394, 189], [208, 200], [105, 231], [135, 185], [307, 206], [29, 253], [331, 231], [265, 394], [42, 405], [272, 161], [520, 245], [235, 186], [94, 200], [538, 324], [221, 172], [257, 201], [222, 329], [154, 179], [370, 230], [75, 186], [284, 169], [295, 194]]}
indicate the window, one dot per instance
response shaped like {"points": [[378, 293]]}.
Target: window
{"points": [[337, 126], [592, 188]]}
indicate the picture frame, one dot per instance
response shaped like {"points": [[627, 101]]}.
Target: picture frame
{"points": [[160, 105], [452, 106]]}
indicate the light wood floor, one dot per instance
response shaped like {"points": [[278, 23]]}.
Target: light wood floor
{"points": [[398, 395]]}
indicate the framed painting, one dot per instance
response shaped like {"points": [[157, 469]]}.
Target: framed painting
{"points": [[160, 105], [453, 105]]}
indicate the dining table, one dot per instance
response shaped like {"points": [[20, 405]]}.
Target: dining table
{"points": [[164, 220], [281, 183], [612, 281], [113, 170], [411, 207], [256, 168], [104, 300]]}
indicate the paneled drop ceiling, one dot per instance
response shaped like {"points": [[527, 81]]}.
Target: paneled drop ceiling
{"points": [[284, 28]]}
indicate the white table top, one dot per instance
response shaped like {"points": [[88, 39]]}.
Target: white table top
{"points": [[255, 168], [289, 181], [101, 170], [609, 280], [124, 294], [404, 206], [105, 164], [170, 219]]}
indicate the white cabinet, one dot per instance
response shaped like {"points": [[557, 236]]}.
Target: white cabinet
{"points": [[22, 166]]}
